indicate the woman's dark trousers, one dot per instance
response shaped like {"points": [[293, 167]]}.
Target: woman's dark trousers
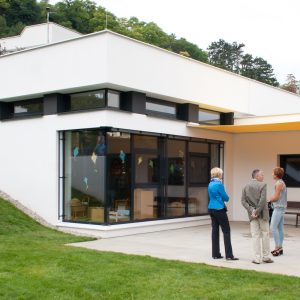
{"points": [[219, 218]]}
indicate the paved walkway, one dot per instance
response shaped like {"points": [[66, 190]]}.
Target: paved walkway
{"points": [[194, 245]]}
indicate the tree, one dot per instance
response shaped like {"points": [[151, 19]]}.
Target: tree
{"points": [[16, 14], [183, 46], [75, 14], [4, 5], [226, 56], [3, 27], [264, 72], [257, 68], [230, 57], [22, 11], [247, 68], [103, 19], [291, 85]]}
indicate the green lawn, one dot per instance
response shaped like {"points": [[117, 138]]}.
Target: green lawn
{"points": [[36, 264]]}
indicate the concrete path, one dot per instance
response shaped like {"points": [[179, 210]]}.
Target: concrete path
{"points": [[194, 245]]}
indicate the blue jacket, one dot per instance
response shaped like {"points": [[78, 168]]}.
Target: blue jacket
{"points": [[217, 194]]}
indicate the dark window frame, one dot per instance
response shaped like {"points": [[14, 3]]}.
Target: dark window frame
{"points": [[87, 108], [155, 113], [15, 115], [283, 164], [97, 108], [209, 111]]}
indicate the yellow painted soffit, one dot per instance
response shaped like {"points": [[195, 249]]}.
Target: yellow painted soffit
{"points": [[290, 126]]}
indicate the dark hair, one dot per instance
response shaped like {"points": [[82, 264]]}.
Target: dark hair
{"points": [[278, 172], [255, 172]]}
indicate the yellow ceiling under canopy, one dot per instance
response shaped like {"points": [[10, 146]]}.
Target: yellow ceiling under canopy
{"points": [[270, 127]]}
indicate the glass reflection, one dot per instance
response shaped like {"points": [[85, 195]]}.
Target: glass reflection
{"points": [[84, 176], [119, 179]]}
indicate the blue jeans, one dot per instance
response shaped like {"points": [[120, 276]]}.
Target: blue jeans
{"points": [[277, 226]]}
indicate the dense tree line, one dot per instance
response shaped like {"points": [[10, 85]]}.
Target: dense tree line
{"points": [[231, 57], [86, 17]]}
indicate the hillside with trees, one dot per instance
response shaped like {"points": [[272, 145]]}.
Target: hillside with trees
{"points": [[86, 17]]}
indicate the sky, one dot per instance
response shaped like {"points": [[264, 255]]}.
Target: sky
{"points": [[268, 28]]}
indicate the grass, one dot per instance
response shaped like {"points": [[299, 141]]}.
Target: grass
{"points": [[36, 264]]}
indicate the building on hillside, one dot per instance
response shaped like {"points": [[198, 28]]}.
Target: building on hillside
{"points": [[110, 136], [37, 35]]}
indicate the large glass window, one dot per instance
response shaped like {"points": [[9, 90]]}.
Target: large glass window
{"points": [[111, 177], [84, 165]]}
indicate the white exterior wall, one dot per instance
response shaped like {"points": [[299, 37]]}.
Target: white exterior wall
{"points": [[159, 72], [34, 73], [60, 33], [260, 150], [29, 158], [29, 37], [108, 59]]}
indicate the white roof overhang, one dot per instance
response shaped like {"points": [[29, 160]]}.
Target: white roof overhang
{"points": [[258, 124]]}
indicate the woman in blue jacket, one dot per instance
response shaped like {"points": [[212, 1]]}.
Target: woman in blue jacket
{"points": [[218, 213]]}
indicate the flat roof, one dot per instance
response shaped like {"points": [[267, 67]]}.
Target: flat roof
{"points": [[108, 59]]}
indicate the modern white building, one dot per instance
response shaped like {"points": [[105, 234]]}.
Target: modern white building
{"points": [[110, 136]]}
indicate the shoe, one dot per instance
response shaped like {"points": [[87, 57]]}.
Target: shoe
{"points": [[277, 252], [232, 258], [218, 257], [268, 261], [255, 262]]}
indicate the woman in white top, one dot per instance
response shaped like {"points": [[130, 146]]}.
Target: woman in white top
{"points": [[279, 202]]}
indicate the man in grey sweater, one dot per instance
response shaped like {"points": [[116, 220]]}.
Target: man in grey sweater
{"points": [[254, 199]]}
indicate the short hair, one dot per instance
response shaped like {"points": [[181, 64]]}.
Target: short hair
{"points": [[216, 172], [278, 172], [255, 172]]}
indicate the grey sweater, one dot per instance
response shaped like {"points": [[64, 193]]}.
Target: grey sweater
{"points": [[254, 199]]}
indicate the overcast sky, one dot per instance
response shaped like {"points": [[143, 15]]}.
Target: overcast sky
{"points": [[269, 28]]}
